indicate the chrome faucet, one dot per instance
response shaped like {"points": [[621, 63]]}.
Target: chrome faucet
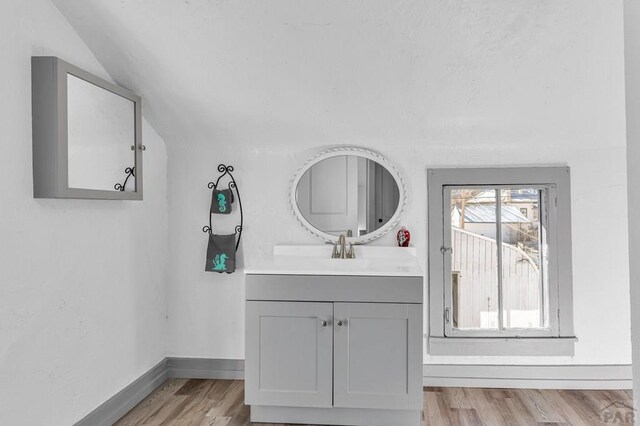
{"points": [[342, 242]]}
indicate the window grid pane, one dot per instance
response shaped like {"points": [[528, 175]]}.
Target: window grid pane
{"points": [[474, 259], [522, 266], [498, 260]]}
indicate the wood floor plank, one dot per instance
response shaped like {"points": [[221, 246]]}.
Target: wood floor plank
{"points": [[581, 404], [487, 411], [456, 398], [430, 409], [511, 414], [182, 402], [562, 411], [196, 408], [157, 399], [514, 402], [537, 406], [194, 387], [448, 415]]}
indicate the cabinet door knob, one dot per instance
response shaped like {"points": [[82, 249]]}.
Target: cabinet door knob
{"points": [[324, 323], [339, 323]]}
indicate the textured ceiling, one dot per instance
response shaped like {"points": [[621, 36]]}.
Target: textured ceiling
{"points": [[241, 70]]}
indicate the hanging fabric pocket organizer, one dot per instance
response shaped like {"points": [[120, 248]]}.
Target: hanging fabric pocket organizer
{"points": [[221, 201], [222, 248]]}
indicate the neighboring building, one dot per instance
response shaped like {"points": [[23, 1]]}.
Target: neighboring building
{"points": [[481, 219], [526, 200]]}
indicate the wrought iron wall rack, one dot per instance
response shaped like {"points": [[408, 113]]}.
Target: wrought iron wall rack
{"points": [[226, 170]]}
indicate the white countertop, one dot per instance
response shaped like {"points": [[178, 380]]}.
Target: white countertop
{"points": [[316, 260]]}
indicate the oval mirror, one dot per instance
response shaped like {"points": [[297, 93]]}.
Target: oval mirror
{"points": [[348, 189]]}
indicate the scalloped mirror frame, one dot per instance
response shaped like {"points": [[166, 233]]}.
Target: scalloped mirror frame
{"points": [[361, 152]]}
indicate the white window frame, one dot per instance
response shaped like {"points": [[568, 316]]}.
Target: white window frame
{"points": [[558, 339]]}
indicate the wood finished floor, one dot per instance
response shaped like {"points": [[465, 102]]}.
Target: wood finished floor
{"points": [[221, 403]]}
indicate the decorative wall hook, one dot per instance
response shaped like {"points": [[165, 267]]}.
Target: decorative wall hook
{"points": [[130, 171]]}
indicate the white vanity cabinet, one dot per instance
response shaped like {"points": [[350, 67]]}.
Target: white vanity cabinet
{"points": [[334, 349]]}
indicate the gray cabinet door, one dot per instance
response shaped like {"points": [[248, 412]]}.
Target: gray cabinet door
{"points": [[377, 355], [289, 353]]}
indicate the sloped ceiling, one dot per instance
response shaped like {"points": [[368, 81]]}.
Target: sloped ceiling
{"points": [[236, 70]]}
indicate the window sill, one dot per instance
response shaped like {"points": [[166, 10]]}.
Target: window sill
{"points": [[500, 346]]}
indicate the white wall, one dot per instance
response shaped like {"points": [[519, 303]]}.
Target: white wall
{"points": [[632, 67], [82, 301], [265, 85], [495, 84]]}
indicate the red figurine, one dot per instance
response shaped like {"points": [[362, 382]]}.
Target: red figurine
{"points": [[403, 237]]}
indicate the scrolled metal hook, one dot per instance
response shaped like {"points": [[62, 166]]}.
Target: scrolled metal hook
{"points": [[130, 171]]}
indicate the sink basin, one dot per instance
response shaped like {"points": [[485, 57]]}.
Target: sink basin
{"points": [[316, 260]]}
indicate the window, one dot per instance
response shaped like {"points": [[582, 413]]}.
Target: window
{"points": [[495, 271], [499, 259]]}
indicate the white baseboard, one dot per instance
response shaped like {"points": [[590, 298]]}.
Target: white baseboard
{"points": [[528, 376]]}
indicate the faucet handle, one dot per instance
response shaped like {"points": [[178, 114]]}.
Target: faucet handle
{"points": [[335, 253], [351, 254]]}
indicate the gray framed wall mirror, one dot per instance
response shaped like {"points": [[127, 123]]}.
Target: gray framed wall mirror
{"points": [[87, 134], [348, 189]]}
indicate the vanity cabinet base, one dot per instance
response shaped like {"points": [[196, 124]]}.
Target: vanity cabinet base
{"points": [[349, 355], [335, 416]]}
